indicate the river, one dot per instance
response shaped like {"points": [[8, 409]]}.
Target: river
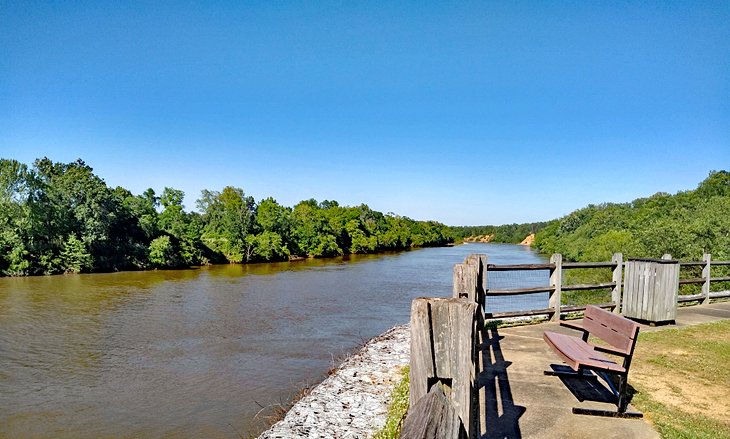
{"points": [[198, 353]]}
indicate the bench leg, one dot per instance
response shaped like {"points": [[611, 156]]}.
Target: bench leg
{"points": [[570, 374], [623, 398], [607, 379], [607, 413]]}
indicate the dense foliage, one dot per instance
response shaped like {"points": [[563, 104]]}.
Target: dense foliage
{"points": [[507, 233], [61, 217], [684, 225]]}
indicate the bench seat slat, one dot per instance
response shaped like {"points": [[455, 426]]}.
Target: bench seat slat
{"points": [[576, 353], [607, 334], [618, 323]]}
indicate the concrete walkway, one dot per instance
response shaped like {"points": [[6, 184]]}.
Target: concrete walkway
{"points": [[522, 402]]}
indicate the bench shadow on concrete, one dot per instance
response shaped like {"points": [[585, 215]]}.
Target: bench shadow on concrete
{"points": [[592, 389], [502, 414], [587, 388]]}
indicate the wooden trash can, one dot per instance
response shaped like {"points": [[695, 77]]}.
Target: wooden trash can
{"points": [[650, 290]]}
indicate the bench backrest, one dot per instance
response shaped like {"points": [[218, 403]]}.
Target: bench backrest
{"points": [[618, 331]]}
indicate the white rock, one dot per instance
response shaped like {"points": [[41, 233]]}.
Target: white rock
{"points": [[352, 402]]}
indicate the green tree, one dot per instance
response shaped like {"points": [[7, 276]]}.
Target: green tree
{"points": [[74, 257], [269, 246], [229, 218], [144, 208], [174, 221], [273, 217], [17, 188], [311, 231], [359, 241], [73, 200], [163, 253]]}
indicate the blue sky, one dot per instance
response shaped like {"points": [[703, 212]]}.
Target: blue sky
{"points": [[463, 112]]}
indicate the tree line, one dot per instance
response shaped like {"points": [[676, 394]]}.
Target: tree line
{"points": [[506, 233], [63, 218], [684, 225]]}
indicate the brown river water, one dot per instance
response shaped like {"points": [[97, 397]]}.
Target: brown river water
{"points": [[198, 353]]}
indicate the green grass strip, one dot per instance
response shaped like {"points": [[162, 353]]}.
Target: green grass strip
{"points": [[398, 408]]}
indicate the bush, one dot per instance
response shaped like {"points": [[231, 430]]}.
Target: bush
{"points": [[162, 253]]}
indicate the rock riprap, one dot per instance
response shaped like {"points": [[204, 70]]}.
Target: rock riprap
{"points": [[353, 401]]}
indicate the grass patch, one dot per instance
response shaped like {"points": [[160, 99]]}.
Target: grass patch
{"points": [[681, 380], [672, 422], [398, 408]]}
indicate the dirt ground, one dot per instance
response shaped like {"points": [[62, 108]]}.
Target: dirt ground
{"points": [[673, 373], [683, 389]]}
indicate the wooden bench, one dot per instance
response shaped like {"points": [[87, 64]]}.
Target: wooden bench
{"points": [[587, 359]]}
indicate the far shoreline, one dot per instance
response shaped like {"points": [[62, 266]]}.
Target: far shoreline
{"points": [[293, 260]]}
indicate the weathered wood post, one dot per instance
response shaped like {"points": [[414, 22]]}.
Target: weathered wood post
{"points": [[443, 354], [480, 261], [485, 279], [466, 281], [433, 417], [617, 259], [706, 276], [556, 283]]}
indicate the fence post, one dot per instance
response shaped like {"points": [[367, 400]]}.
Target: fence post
{"points": [[617, 259], [479, 261], [432, 417], [706, 276], [443, 354], [466, 281], [556, 281], [485, 277]]}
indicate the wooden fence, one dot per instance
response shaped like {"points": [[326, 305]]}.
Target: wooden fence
{"points": [[448, 336], [705, 279], [555, 288]]}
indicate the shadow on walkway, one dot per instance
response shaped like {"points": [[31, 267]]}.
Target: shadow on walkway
{"points": [[587, 388], [496, 402]]}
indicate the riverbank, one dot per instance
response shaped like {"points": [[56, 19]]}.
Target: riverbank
{"points": [[353, 401]]}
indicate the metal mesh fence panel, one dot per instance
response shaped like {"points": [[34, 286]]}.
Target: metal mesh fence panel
{"points": [[513, 279]]}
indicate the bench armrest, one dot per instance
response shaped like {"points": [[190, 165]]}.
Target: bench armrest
{"points": [[570, 325], [577, 327], [610, 351]]}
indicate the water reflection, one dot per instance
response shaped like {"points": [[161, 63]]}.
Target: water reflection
{"points": [[194, 353]]}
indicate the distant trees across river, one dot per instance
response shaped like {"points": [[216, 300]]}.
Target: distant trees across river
{"points": [[63, 218]]}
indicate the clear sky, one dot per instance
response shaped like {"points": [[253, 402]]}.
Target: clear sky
{"points": [[463, 112]]}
